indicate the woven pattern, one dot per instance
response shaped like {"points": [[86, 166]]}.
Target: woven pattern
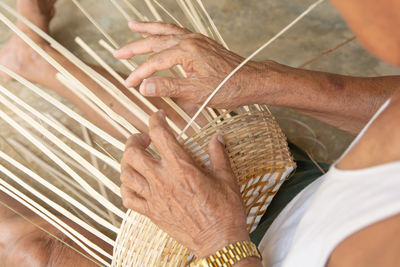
{"points": [[261, 161]]}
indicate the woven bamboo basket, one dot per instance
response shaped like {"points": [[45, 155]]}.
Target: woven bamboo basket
{"points": [[261, 161]]}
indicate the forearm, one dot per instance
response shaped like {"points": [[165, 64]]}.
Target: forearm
{"points": [[342, 101]]}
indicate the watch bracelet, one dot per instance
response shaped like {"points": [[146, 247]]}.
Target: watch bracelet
{"points": [[229, 255]]}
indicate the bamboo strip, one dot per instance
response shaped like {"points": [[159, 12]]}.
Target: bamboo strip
{"points": [[42, 164], [153, 10], [88, 140], [126, 101], [110, 49], [61, 69], [62, 130], [74, 88], [211, 22], [130, 63], [64, 166], [118, 77], [93, 21], [196, 18], [58, 208], [81, 195], [68, 150], [290, 25], [98, 106], [186, 10], [115, 163], [41, 212], [121, 10], [72, 114], [136, 11], [105, 151], [67, 198], [169, 14], [71, 162]]}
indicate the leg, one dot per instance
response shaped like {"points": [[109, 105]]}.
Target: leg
{"points": [[23, 244]]}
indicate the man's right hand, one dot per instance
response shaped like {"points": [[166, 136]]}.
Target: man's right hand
{"points": [[205, 62]]}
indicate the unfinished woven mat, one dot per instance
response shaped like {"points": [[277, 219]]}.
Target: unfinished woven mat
{"points": [[261, 161]]}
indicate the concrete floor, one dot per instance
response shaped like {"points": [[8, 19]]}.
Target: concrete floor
{"points": [[245, 25]]}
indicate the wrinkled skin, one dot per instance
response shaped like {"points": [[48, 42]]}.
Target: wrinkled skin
{"points": [[202, 209], [205, 62]]}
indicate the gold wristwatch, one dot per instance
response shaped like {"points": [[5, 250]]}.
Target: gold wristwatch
{"points": [[229, 255]]}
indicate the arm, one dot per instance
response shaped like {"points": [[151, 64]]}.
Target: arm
{"points": [[342, 101], [24, 244]]}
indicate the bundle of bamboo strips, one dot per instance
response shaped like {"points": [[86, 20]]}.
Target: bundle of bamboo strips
{"points": [[89, 198]]}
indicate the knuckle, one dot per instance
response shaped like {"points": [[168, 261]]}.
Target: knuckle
{"points": [[158, 131], [197, 35], [127, 203], [125, 176], [170, 85], [132, 141], [155, 59], [172, 26], [189, 44], [125, 194], [155, 39]]}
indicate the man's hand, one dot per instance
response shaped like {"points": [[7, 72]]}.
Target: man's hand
{"points": [[205, 62], [202, 210]]}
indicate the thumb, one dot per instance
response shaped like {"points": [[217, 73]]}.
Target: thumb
{"points": [[220, 164], [163, 87]]}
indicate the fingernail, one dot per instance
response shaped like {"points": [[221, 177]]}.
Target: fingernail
{"points": [[221, 139], [128, 83], [117, 53], [147, 88], [132, 23]]}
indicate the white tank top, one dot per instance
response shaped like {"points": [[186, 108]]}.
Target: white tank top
{"points": [[329, 210]]}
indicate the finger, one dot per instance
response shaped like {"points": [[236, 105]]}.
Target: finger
{"points": [[220, 163], [135, 181], [133, 201], [138, 158], [164, 140], [165, 87], [154, 43], [156, 28], [142, 140], [158, 62]]}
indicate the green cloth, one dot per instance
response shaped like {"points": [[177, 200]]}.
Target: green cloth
{"points": [[306, 172]]}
